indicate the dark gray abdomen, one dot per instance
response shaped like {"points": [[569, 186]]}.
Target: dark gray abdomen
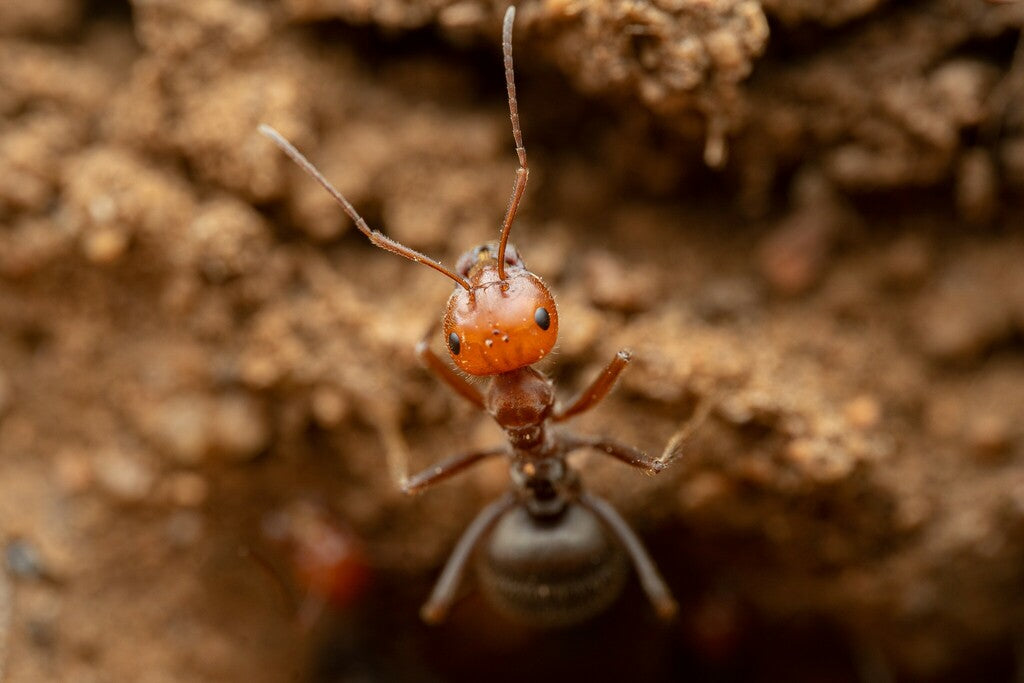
{"points": [[551, 572]]}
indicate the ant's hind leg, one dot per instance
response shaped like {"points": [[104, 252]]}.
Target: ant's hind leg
{"points": [[454, 380], [446, 589], [650, 578], [597, 390]]}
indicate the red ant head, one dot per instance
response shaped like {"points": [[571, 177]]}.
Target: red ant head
{"points": [[499, 325], [501, 317]]}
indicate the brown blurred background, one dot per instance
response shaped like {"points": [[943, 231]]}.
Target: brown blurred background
{"points": [[805, 213]]}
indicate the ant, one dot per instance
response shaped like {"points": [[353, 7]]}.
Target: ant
{"points": [[548, 558], [326, 559]]}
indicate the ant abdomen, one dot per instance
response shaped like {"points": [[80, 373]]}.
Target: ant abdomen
{"points": [[551, 571]]}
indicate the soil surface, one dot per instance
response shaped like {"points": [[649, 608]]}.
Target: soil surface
{"points": [[803, 218]]}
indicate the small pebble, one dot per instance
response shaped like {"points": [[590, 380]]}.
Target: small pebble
{"points": [[612, 285], [960, 87], [989, 435], [73, 472], [944, 416], [102, 209], [183, 528], [756, 470], [260, 372], [104, 246], [180, 427], [908, 260], [977, 187], [239, 427], [820, 460], [42, 632], [704, 490], [725, 49], [230, 237], [794, 256], [188, 489], [960, 322], [329, 407], [913, 512], [180, 294], [23, 560], [863, 412], [727, 299], [126, 478], [462, 15]]}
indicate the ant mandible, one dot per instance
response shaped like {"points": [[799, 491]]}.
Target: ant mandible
{"points": [[548, 559]]}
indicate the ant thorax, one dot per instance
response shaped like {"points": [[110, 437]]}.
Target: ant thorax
{"points": [[521, 401]]}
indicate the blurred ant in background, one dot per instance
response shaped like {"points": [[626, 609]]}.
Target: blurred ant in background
{"points": [[325, 558], [551, 551]]}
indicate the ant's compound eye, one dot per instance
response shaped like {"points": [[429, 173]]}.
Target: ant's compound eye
{"points": [[454, 344], [542, 318]]}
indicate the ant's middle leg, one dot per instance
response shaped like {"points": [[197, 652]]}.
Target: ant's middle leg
{"points": [[397, 456], [447, 468], [634, 456], [597, 390], [454, 380], [627, 454]]}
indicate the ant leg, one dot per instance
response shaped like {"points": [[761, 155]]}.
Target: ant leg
{"points": [[454, 380], [597, 390], [650, 578], [441, 599], [627, 454], [447, 468], [634, 456], [311, 609], [674, 447]]}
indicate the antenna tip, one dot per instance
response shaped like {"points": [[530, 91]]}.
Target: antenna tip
{"points": [[510, 15]]}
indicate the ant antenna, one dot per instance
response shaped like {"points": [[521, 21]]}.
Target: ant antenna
{"points": [[523, 172], [378, 238]]}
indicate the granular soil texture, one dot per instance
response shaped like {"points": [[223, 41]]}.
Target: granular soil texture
{"points": [[803, 218]]}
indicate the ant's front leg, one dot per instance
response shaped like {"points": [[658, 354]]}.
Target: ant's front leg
{"points": [[597, 390], [454, 380], [447, 468]]}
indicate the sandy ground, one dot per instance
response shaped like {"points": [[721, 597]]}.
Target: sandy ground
{"points": [[804, 215]]}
